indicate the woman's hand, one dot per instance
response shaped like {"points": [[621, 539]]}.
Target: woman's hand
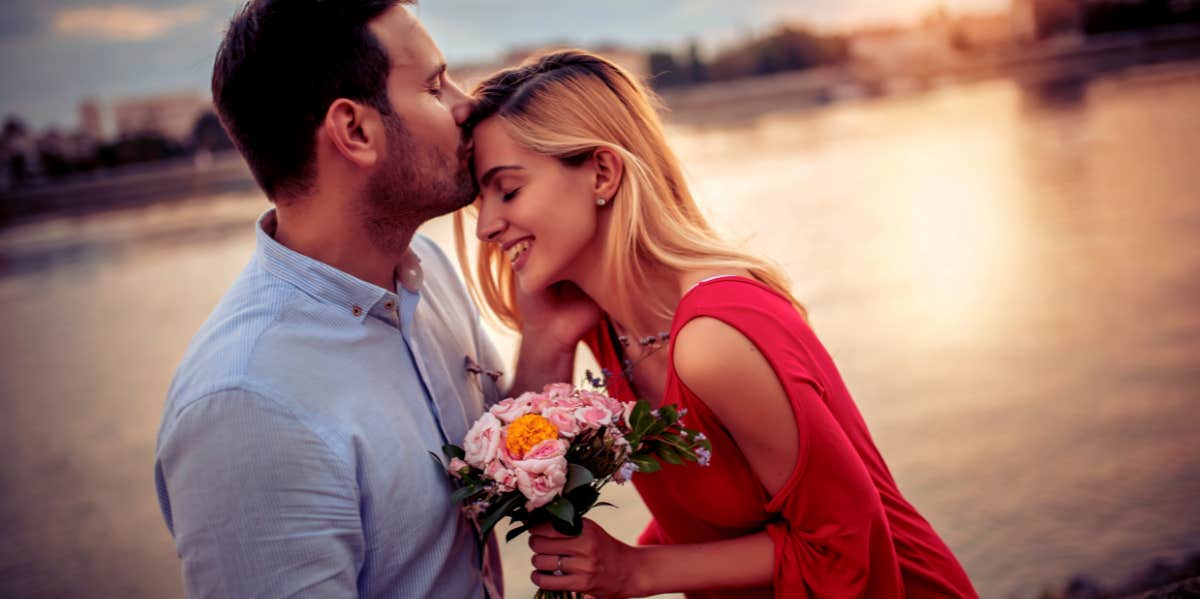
{"points": [[592, 563], [558, 316]]}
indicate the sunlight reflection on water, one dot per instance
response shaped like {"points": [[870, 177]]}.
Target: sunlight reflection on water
{"points": [[1008, 283]]}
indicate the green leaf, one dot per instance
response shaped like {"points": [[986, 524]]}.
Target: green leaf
{"points": [[583, 498], [440, 463], [454, 451], [654, 427], [516, 532], [669, 414], [561, 509], [640, 417], [572, 529], [669, 454], [499, 510], [462, 493], [646, 464], [678, 443], [577, 476]]}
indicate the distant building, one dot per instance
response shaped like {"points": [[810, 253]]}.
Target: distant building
{"points": [[170, 115], [91, 118], [901, 51], [1040, 19]]}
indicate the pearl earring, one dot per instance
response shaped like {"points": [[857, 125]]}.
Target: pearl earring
{"points": [[601, 201]]}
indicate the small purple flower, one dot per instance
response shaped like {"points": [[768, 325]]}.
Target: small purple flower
{"points": [[703, 456], [625, 472], [699, 437], [682, 412]]}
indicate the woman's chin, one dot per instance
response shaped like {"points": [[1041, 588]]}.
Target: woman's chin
{"points": [[526, 284], [530, 282]]}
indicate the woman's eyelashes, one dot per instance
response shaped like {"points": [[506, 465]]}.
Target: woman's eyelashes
{"points": [[510, 195]]}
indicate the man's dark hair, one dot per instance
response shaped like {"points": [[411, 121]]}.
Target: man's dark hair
{"points": [[281, 64]]}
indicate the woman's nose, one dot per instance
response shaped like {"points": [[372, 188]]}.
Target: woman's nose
{"points": [[490, 227]]}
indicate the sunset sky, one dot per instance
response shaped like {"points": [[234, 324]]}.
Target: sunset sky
{"points": [[54, 52]]}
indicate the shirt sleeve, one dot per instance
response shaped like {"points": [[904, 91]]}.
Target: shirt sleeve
{"points": [[257, 502]]}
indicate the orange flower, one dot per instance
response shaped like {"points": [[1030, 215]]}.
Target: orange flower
{"points": [[526, 432]]}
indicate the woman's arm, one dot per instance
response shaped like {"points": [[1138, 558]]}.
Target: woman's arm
{"points": [[726, 371], [597, 564]]}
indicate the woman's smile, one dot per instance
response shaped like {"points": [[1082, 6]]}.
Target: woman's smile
{"points": [[518, 252]]}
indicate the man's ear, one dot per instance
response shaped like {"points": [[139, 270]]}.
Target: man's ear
{"points": [[609, 169], [355, 130]]}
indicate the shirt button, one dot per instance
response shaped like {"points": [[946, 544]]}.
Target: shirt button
{"points": [[357, 310]]}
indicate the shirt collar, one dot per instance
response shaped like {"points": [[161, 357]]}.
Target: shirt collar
{"points": [[321, 281]]}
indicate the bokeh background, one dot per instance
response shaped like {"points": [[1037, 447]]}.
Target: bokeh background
{"points": [[991, 209]]}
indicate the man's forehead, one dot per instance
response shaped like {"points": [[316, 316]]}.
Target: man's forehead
{"points": [[408, 44]]}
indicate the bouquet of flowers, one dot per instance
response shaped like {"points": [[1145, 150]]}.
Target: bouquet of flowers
{"points": [[543, 457]]}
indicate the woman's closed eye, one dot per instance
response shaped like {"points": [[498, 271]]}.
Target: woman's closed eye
{"points": [[510, 195]]}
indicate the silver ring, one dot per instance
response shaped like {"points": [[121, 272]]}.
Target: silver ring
{"points": [[558, 571]]}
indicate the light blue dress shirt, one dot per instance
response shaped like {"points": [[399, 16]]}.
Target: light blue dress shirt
{"points": [[293, 457]]}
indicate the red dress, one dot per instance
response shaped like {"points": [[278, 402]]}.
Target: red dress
{"points": [[840, 526]]}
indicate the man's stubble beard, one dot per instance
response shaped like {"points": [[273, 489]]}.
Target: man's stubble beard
{"points": [[414, 184]]}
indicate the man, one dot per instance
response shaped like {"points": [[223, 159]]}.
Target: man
{"points": [[293, 453]]}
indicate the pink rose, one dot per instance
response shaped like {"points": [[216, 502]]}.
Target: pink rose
{"points": [[456, 467], [594, 416], [506, 478], [629, 405], [512, 408], [599, 399], [543, 472], [482, 444], [540, 402], [558, 391], [541, 489], [563, 418]]}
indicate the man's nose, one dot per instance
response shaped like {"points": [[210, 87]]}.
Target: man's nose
{"points": [[460, 103]]}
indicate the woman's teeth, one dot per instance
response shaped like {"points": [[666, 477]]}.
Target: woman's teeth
{"points": [[518, 248]]}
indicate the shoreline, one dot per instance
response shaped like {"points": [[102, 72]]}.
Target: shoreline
{"points": [[1160, 579], [1047, 67]]}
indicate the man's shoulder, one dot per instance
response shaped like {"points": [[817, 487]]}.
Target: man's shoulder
{"points": [[221, 354]]}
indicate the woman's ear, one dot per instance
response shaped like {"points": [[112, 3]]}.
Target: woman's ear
{"points": [[609, 170], [355, 130]]}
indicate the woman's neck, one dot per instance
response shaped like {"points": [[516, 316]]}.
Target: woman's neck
{"points": [[664, 291]]}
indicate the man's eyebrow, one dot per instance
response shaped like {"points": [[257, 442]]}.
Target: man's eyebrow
{"points": [[491, 172], [437, 73]]}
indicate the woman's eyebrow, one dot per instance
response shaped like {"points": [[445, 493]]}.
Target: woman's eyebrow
{"points": [[492, 172]]}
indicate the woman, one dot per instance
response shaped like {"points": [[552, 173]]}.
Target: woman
{"points": [[583, 207]]}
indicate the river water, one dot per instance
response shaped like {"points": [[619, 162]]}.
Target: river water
{"points": [[1008, 278]]}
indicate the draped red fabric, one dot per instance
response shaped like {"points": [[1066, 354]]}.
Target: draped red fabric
{"points": [[840, 525]]}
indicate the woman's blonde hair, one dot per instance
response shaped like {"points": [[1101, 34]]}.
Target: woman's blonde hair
{"points": [[566, 104]]}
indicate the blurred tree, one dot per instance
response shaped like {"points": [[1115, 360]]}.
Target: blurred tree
{"points": [[208, 134], [786, 49], [139, 148], [665, 71], [697, 71]]}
